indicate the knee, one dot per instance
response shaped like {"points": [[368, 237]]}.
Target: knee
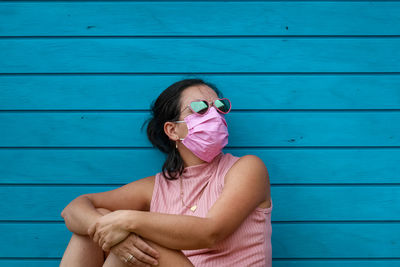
{"points": [[114, 261], [82, 251], [77, 238], [82, 242]]}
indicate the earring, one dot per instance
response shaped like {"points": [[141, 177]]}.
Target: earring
{"points": [[176, 145]]}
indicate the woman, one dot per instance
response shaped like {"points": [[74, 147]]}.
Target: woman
{"points": [[205, 208]]}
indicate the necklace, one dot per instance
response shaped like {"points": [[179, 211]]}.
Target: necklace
{"points": [[194, 207]]}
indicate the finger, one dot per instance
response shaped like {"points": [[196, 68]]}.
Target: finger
{"points": [[142, 257], [132, 263], [135, 262], [91, 231], [101, 241], [146, 248], [124, 258], [105, 247], [124, 253], [96, 237]]}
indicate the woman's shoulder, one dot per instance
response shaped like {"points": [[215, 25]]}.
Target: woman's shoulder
{"points": [[248, 164], [249, 171], [245, 161]]}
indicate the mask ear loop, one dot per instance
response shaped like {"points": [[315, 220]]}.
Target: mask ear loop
{"points": [[176, 142]]}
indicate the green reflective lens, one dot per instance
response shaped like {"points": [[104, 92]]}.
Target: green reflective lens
{"points": [[199, 106], [222, 104]]}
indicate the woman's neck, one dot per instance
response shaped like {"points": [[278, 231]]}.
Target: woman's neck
{"points": [[189, 159]]}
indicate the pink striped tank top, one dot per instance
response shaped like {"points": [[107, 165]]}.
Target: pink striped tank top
{"points": [[249, 245]]}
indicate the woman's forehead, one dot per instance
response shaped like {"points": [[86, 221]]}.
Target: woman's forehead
{"points": [[198, 92]]}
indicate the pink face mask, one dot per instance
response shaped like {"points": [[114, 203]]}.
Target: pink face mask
{"points": [[207, 134]]}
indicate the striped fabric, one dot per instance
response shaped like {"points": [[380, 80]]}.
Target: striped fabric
{"points": [[249, 245]]}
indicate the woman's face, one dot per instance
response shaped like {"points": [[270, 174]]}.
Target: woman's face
{"points": [[193, 93]]}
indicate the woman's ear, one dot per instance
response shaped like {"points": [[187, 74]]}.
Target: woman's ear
{"points": [[171, 131]]}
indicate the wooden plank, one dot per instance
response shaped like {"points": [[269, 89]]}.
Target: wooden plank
{"points": [[305, 240], [291, 203], [255, 92], [120, 166], [209, 54], [234, 18], [30, 262], [120, 129], [26, 240], [332, 240], [336, 203]]}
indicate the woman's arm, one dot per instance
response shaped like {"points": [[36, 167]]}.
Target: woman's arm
{"points": [[246, 187], [81, 212]]}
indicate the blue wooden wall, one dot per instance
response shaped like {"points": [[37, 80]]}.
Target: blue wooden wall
{"points": [[315, 88]]}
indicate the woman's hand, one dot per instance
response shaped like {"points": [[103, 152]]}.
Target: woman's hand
{"points": [[108, 230], [143, 254]]}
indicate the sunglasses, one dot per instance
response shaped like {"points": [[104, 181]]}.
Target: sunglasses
{"points": [[201, 107]]}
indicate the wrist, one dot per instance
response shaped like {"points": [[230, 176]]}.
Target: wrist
{"points": [[129, 223]]}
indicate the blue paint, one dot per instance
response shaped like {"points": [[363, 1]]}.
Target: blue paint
{"points": [[315, 89]]}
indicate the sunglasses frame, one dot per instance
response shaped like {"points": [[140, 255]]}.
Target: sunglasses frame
{"points": [[209, 106]]}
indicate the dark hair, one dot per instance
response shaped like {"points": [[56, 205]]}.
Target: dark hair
{"points": [[167, 108]]}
